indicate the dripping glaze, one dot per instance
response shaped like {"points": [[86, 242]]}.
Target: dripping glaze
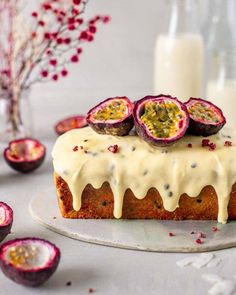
{"points": [[137, 165]]}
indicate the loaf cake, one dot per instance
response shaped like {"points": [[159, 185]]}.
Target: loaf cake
{"points": [[107, 176]]}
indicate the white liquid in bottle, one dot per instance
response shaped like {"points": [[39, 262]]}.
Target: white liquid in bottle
{"points": [[179, 65], [224, 96]]}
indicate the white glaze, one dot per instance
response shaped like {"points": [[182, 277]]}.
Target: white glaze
{"points": [[146, 167]]}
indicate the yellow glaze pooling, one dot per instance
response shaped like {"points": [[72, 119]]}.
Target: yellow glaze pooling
{"points": [[137, 165]]}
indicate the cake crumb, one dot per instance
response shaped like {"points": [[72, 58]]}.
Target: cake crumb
{"points": [[91, 290], [171, 235]]}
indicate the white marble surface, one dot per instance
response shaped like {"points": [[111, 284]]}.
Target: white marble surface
{"points": [[120, 62]]}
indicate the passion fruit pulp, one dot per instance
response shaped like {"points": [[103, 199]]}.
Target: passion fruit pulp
{"points": [[29, 261], [160, 120], [25, 155], [70, 123], [205, 117], [112, 116], [6, 220]]}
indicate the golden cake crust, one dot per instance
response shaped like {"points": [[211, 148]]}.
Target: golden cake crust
{"points": [[99, 203]]}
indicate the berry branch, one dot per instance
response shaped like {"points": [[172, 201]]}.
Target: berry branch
{"points": [[41, 50]]}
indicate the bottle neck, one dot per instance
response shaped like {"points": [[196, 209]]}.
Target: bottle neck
{"points": [[183, 17], [221, 34]]}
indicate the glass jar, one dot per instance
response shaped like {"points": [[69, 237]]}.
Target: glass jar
{"points": [[221, 85], [15, 116], [179, 53]]}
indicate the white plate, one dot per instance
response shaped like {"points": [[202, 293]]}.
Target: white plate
{"points": [[146, 235]]}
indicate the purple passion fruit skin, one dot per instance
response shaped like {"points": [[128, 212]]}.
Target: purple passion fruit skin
{"points": [[6, 220], [205, 117], [29, 261], [160, 120], [112, 116], [70, 123], [25, 155]]}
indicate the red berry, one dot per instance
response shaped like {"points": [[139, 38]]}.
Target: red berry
{"points": [[44, 74], [74, 58], [47, 6], [228, 143], [113, 148], [55, 77], [83, 35], [54, 35], [59, 40], [92, 29], [71, 27], [212, 146], [76, 2], [70, 20], [53, 62], [33, 34], [205, 142], [47, 35], [190, 145], [79, 50], [64, 73], [171, 235], [34, 14], [67, 40], [41, 23], [80, 21], [91, 290], [75, 11], [106, 19], [90, 38]]}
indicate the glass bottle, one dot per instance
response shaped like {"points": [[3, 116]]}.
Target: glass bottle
{"points": [[179, 53], [221, 86], [220, 37]]}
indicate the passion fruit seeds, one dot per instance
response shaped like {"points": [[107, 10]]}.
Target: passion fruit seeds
{"points": [[160, 120], [70, 123], [6, 220], [112, 116], [205, 117], [25, 155], [29, 261]]}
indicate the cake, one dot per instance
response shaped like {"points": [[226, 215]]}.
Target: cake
{"points": [[108, 176]]}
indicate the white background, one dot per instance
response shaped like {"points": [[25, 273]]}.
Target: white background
{"points": [[118, 63]]}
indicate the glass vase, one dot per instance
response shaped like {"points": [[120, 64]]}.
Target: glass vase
{"points": [[15, 116]]}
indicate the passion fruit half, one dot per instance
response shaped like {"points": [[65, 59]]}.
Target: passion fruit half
{"points": [[25, 155], [205, 117], [70, 123], [6, 220], [160, 120], [29, 261], [112, 116]]}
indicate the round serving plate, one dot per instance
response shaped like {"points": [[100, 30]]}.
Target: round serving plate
{"points": [[146, 235]]}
